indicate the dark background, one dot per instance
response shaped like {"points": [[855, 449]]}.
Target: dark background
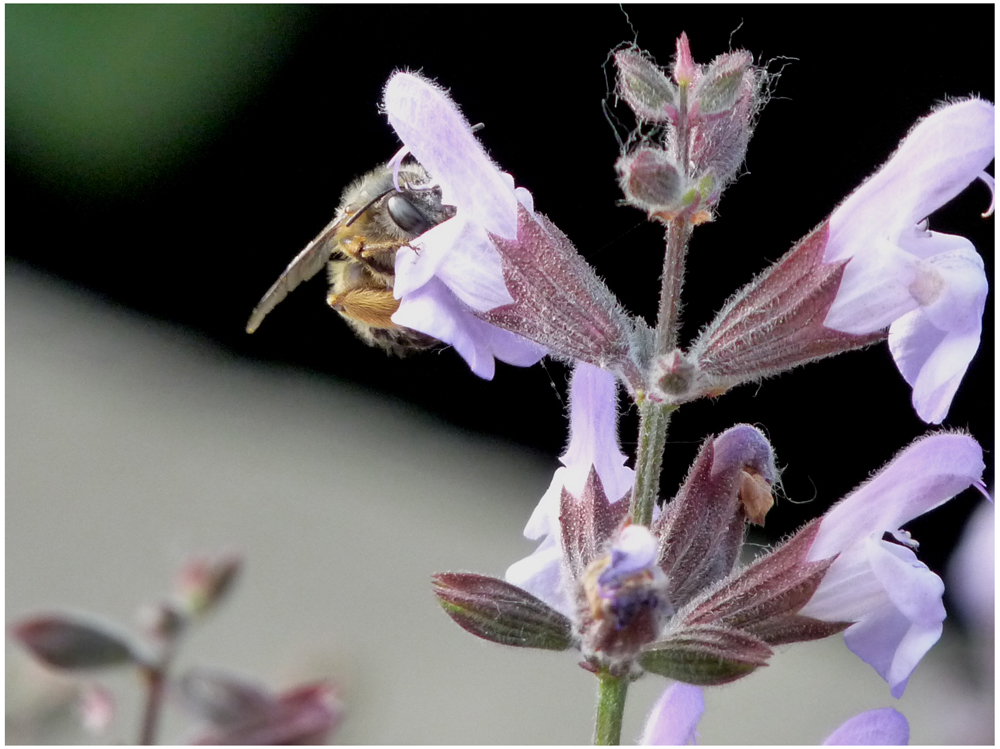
{"points": [[174, 159]]}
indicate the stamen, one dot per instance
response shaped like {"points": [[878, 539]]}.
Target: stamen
{"points": [[395, 163], [990, 183]]}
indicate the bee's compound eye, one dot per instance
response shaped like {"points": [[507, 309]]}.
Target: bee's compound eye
{"points": [[407, 216]]}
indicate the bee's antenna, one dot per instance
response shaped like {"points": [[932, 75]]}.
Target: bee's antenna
{"points": [[366, 206]]}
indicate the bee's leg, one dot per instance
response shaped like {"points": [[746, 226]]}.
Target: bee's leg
{"points": [[380, 256], [373, 307]]}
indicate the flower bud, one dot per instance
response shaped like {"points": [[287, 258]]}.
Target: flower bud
{"points": [[701, 528], [685, 70], [701, 135], [204, 581], [651, 180]]}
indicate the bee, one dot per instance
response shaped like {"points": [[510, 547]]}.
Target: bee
{"points": [[358, 247]]}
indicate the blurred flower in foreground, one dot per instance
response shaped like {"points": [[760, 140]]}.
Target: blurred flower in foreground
{"points": [[671, 599], [674, 720], [972, 571], [239, 712], [497, 280]]}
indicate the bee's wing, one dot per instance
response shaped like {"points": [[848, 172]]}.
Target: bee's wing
{"points": [[306, 264]]}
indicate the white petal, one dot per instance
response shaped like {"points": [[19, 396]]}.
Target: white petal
{"points": [[545, 517], [926, 474], [882, 727], [440, 138], [961, 300], [460, 253], [874, 291], [594, 431], [674, 719], [540, 573], [849, 591], [434, 310], [470, 264], [932, 361], [414, 267], [939, 158], [895, 637], [894, 600], [513, 349]]}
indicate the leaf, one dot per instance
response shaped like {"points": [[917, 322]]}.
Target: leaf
{"points": [[500, 612], [67, 642], [705, 655]]}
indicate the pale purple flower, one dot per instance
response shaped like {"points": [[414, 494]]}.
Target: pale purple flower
{"points": [[593, 442], [674, 722], [675, 716], [928, 287], [893, 599], [882, 727], [440, 289]]}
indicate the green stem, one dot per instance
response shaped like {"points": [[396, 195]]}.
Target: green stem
{"points": [[610, 708], [653, 421]]}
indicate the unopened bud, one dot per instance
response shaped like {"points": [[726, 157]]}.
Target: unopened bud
{"points": [[303, 715], [162, 621], [652, 181], [674, 374], [685, 69], [204, 581], [701, 529]]}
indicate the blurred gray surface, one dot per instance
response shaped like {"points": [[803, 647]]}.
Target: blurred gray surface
{"points": [[131, 444]]}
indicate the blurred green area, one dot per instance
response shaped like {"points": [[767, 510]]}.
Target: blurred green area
{"points": [[112, 96]]}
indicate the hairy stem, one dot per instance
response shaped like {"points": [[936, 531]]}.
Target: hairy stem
{"points": [[653, 421], [610, 708], [668, 321], [678, 234]]}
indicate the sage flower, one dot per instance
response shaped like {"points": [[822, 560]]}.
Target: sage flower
{"points": [[498, 280], [674, 721], [929, 288], [891, 598]]}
